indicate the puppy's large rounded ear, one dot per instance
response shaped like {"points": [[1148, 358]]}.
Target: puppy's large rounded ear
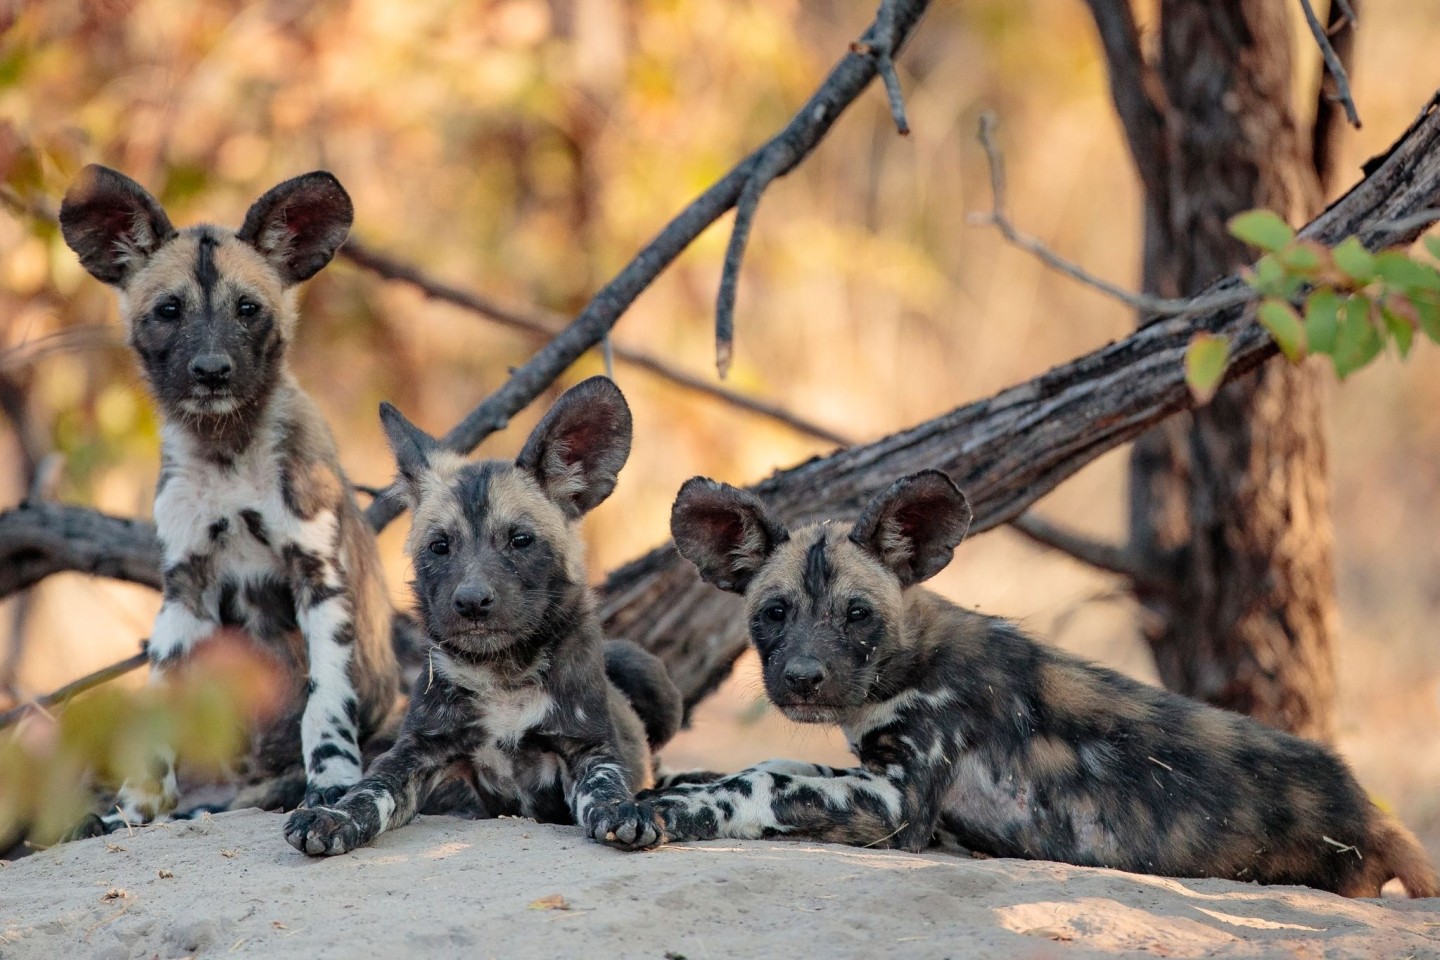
{"points": [[413, 449], [112, 223], [724, 531], [577, 450], [299, 224], [914, 526]]}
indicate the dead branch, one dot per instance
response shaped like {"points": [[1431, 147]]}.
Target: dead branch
{"points": [[1155, 306], [875, 51], [1112, 558], [548, 325], [38, 539], [1332, 62], [799, 137], [1329, 126], [1139, 94]]}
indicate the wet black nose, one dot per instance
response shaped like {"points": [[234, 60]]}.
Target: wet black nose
{"points": [[211, 369], [804, 674], [473, 602]]}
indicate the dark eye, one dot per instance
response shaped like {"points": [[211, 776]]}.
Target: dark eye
{"points": [[858, 613], [169, 310], [440, 546], [775, 613], [520, 540], [247, 307]]}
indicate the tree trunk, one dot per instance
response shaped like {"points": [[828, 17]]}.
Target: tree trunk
{"points": [[1232, 499]]}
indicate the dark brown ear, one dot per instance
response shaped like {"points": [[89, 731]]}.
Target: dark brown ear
{"points": [[577, 450], [411, 446], [299, 224], [914, 526], [112, 223], [725, 531]]}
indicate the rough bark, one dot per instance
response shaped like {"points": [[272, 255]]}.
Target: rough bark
{"points": [[1232, 500]]}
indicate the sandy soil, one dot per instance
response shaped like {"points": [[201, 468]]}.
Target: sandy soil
{"points": [[231, 887]]}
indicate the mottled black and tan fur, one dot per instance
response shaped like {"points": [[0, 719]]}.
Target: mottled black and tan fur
{"points": [[970, 732], [257, 523], [518, 702]]}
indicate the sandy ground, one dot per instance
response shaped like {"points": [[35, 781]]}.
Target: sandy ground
{"points": [[231, 887]]}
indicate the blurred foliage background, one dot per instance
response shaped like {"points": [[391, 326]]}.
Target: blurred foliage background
{"points": [[527, 148]]}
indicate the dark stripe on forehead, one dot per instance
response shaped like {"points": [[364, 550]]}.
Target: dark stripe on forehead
{"points": [[817, 569], [472, 489], [206, 273]]}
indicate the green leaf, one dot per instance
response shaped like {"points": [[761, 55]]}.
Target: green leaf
{"points": [[1406, 275], [1358, 342], [1300, 258], [1205, 365], [1427, 311], [1261, 228], [1322, 320], [1354, 260], [1433, 245], [1283, 322], [1401, 329]]}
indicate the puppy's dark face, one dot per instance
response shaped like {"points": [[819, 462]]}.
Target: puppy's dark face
{"points": [[209, 311], [822, 614], [494, 544], [491, 554], [825, 605]]}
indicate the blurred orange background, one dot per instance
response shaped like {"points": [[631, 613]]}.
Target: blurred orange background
{"points": [[527, 149]]}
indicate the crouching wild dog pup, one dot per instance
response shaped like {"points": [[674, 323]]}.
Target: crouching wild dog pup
{"points": [[256, 520], [517, 701], [969, 731]]}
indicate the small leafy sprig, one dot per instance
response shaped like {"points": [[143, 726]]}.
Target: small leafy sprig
{"points": [[1354, 302]]}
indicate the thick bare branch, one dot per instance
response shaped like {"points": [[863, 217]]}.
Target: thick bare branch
{"points": [[1332, 63], [801, 135], [38, 539], [548, 325]]}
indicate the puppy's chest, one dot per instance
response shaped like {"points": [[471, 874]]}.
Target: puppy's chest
{"points": [[515, 755]]}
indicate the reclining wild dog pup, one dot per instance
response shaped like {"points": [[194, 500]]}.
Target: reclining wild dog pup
{"points": [[256, 520], [967, 730], [517, 701]]}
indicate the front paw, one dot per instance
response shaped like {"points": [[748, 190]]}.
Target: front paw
{"points": [[92, 826], [628, 826], [323, 796], [323, 832]]}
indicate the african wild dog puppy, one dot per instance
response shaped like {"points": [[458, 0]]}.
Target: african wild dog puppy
{"points": [[256, 519], [969, 731], [518, 701]]}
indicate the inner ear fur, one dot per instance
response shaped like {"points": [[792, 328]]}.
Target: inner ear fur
{"points": [[299, 224], [914, 525], [724, 531], [112, 223], [577, 450]]}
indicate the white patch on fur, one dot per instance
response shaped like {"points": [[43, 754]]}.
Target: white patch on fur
{"points": [[329, 671], [384, 806], [177, 630]]}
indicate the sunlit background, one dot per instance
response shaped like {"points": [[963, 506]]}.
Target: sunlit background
{"points": [[527, 149]]}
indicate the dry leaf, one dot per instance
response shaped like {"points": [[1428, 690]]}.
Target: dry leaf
{"points": [[552, 902], [115, 893], [164, 874]]}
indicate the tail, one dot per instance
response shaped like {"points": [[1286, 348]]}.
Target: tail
{"points": [[647, 685], [1400, 855]]}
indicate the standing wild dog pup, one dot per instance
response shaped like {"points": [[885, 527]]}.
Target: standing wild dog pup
{"points": [[517, 701], [968, 730], [256, 520]]}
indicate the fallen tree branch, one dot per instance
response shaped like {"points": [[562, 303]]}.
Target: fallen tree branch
{"points": [[1332, 62], [549, 325], [800, 136]]}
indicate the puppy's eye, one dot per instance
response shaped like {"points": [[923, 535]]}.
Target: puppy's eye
{"points": [[169, 310], [520, 539], [858, 613], [775, 613], [440, 546], [247, 307]]}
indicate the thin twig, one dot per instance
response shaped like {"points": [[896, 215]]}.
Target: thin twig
{"points": [[1333, 64], [1102, 556], [1158, 306], [75, 688], [549, 325], [1329, 126], [877, 48]]}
